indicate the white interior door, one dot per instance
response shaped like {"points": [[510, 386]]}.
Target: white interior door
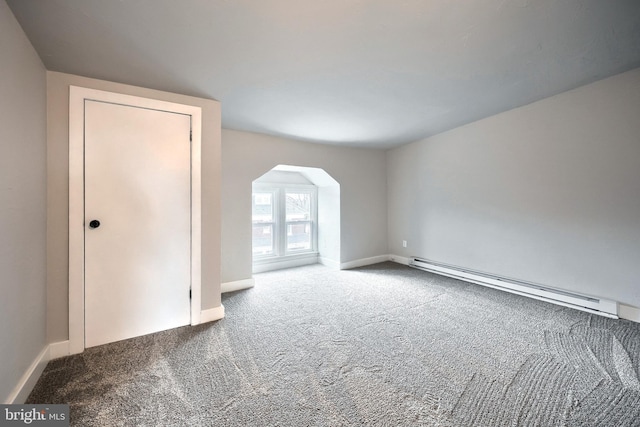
{"points": [[137, 185]]}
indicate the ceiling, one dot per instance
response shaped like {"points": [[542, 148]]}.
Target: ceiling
{"points": [[375, 73]]}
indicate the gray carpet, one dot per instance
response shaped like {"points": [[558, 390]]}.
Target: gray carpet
{"points": [[383, 345]]}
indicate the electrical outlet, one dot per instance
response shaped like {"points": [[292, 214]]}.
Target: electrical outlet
{"points": [[404, 243]]}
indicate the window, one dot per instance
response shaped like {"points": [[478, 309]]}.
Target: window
{"points": [[284, 219], [298, 220], [263, 223]]}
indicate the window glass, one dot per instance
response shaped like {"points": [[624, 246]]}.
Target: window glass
{"points": [[262, 239], [298, 236], [298, 221], [298, 206], [262, 207], [262, 219]]}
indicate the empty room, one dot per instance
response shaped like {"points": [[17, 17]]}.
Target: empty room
{"points": [[337, 213]]}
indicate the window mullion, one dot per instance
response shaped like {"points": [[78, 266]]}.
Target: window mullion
{"points": [[314, 219], [282, 222]]}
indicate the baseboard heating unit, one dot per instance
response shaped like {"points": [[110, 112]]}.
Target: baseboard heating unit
{"points": [[589, 304]]}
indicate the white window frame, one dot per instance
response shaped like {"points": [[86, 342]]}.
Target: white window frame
{"points": [[279, 192]]}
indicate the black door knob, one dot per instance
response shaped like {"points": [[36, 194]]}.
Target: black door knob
{"points": [[94, 223]]}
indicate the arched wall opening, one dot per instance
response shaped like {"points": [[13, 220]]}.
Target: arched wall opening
{"points": [[326, 219]]}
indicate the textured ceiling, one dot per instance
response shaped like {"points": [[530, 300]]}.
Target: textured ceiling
{"points": [[353, 72]]}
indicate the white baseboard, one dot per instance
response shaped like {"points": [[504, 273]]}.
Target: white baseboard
{"points": [[628, 312], [237, 285], [399, 259], [329, 263], [29, 379], [364, 261], [59, 349], [577, 301], [212, 314]]}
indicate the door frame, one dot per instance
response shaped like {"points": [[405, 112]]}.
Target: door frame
{"points": [[77, 97]]}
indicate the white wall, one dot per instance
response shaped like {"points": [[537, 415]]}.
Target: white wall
{"points": [[22, 203], [549, 192], [283, 177], [361, 174], [329, 225], [58, 192]]}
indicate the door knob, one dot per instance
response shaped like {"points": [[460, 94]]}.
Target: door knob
{"points": [[94, 223]]}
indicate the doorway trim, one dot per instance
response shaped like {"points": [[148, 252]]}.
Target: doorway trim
{"points": [[77, 97]]}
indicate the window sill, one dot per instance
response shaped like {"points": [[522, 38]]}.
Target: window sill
{"points": [[263, 264]]}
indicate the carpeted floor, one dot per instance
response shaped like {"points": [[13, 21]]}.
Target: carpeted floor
{"points": [[383, 345]]}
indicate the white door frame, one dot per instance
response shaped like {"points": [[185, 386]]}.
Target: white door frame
{"points": [[77, 97]]}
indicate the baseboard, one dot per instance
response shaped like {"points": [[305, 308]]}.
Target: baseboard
{"points": [[29, 378], [624, 311], [628, 312], [329, 263], [364, 261], [399, 259], [575, 300], [59, 349], [237, 285], [212, 314]]}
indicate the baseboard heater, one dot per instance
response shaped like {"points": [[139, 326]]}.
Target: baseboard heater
{"points": [[589, 304]]}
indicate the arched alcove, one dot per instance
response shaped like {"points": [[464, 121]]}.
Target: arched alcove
{"points": [[326, 249]]}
